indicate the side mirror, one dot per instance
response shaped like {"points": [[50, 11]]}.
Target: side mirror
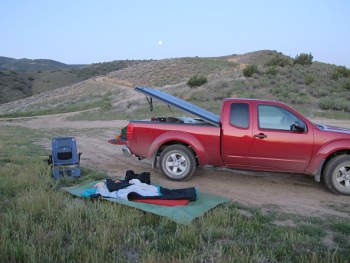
{"points": [[298, 126]]}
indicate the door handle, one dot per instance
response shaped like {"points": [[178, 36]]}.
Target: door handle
{"points": [[260, 136]]}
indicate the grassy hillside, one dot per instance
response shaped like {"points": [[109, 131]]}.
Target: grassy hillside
{"points": [[315, 89], [32, 65], [159, 73], [18, 84]]}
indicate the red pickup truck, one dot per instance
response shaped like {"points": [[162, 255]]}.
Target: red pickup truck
{"points": [[249, 134]]}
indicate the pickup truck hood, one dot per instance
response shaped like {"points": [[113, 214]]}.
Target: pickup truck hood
{"points": [[335, 129], [181, 104]]}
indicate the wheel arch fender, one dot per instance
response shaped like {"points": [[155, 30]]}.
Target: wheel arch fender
{"points": [[333, 147], [175, 137], [327, 152]]}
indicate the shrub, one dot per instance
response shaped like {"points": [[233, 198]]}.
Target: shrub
{"points": [[273, 71], [197, 80], [309, 79], [340, 71], [222, 84], [298, 98], [319, 91], [277, 90], [279, 61], [249, 70], [346, 86], [198, 95], [334, 75], [334, 104], [343, 71], [106, 102], [303, 59]]}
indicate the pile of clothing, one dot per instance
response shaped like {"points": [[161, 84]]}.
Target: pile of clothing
{"points": [[138, 188]]}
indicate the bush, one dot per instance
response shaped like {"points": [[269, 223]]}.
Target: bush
{"points": [[106, 102], [334, 104], [340, 71], [346, 86], [303, 59], [298, 98], [222, 84], [197, 80], [279, 61], [249, 70], [319, 91], [343, 71], [278, 91], [273, 71], [309, 79], [334, 75]]}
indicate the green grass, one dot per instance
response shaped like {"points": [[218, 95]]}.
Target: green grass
{"points": [[340, 115], [41, 223], [60, 109]]}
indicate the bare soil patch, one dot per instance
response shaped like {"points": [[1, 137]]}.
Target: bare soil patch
{"points": [[291, 193]]}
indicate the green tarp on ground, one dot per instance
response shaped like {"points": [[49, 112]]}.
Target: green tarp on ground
{"points": [[178, 214]]}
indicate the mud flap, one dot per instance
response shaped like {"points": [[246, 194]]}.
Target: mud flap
{"points": [[154, 161], [319, 171]]}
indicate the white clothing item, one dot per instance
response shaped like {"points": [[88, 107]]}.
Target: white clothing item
{"points": [[136, 186], [103, 190]]}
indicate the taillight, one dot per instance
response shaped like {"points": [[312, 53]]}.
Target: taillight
{"points": [[129, 132]]}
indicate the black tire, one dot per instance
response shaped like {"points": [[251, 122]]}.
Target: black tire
{"points": [[177, 162], [336, 174]]}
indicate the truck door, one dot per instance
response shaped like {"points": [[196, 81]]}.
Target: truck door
{"points": [[236, 135], [277, 144]]}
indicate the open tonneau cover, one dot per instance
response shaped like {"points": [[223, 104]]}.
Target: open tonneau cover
{"points": [[181, 104]]}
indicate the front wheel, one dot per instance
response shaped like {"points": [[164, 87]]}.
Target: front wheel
{"points": [[337, 174], [177, 162]]}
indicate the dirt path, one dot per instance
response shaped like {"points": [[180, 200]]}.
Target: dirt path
{"points": [[282, 192]]}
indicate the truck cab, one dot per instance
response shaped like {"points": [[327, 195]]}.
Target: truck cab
{"points": [[268, 135]]}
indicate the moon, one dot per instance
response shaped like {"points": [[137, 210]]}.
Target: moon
{"points": [[160, 42]]}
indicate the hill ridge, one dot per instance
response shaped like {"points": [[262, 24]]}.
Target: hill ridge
{"points": [[314, 88], [32, 65]]}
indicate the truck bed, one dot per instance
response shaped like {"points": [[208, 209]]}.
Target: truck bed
{"points": [[149, 135]]}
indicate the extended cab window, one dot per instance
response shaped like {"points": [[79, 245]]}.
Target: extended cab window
{"points": [[239, 115], [274, 117]]}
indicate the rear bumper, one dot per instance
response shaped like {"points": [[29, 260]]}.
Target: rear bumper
{"points": [[126, 151]]}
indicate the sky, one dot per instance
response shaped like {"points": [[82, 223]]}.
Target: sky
{"points": [[93, 31]]}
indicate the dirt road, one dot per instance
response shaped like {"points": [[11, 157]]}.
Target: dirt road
{"points": [[270, 191]]}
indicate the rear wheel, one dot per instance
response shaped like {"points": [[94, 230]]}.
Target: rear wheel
{"points": [[177, 162], [337, 174]]}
